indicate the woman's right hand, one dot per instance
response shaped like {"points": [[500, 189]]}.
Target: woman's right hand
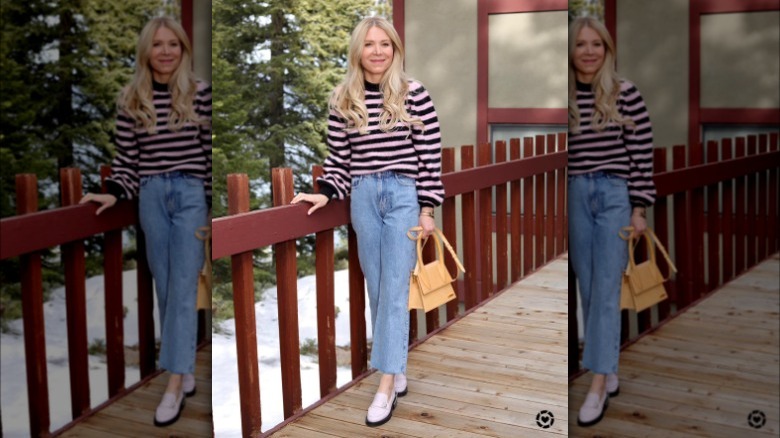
{"points": [[104, 199], [317, 199]]}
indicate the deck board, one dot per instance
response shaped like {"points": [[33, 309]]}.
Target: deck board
{"points": [[132, 415], [487, 375], [702, 373]]}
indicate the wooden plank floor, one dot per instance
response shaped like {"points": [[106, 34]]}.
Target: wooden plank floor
{"points": [[488, 374], [704, 372], [132, 415]]}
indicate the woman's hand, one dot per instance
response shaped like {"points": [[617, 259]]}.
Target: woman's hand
{"points": [[317, 199], [426, 221], [639, 221], [104, 199]]}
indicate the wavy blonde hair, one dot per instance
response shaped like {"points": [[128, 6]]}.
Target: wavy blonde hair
{"points": [[606, 83], [136, 98], [348, 99]]}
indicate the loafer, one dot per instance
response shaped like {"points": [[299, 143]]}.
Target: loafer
{"points": [[381, 410], [613, 385], [592, 410], [169, 409], [188, 385], [400, 384]]}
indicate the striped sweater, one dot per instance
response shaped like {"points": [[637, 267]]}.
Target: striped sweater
{"points": [[415, 153], [139, 153], [626, 152]]}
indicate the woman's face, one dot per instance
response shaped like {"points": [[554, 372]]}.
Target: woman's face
{"points": [[166, 54], [377, 54], [588, 54]]}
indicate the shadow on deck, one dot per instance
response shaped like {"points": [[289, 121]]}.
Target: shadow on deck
{"points": [[488, 374], [132, 415], [705, 371]]}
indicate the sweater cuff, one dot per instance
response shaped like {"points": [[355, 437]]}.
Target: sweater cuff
{"points": [[114, 188], [327, 190]]}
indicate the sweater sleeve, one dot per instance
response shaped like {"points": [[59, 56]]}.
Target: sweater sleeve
{"points": [[427, 145], [639, 145], [123, 181], [336, 180], [204, 111]]}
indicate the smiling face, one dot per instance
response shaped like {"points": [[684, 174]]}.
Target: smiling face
{"points": [[166, 54], [589, 51], [377, 54]]}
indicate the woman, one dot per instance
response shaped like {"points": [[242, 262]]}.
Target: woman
{"points": [[385, 152], [610, 187], [163, 140]]}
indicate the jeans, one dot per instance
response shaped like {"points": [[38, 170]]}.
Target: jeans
{"points": [[383, 208], [172, 207], [598, 208]]}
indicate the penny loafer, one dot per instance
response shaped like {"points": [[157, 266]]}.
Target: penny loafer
{"points": [[188, 385], [381, 410], [169, 409], [613, 385], [592, 410], [400, 384]]}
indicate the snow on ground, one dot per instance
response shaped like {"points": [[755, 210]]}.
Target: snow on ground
{"points": [[225, 399], [13, 374]]}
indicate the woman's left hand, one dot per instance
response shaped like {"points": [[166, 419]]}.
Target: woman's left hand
{"points": [[639, 221], [428, 225]]}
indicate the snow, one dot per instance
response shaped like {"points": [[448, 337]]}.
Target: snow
{"points": [[225, 397]]}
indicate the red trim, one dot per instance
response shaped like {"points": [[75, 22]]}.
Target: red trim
{"points": [[528, 116], [187, 20], [743, 116], [399, 20], [724, 6], [514, 6], [610, 19], [694, 73]]}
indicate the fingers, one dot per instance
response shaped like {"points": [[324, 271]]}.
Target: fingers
{"points": [[100, 210], [86, 198]]}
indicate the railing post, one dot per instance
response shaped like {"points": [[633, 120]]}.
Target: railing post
{"points": [[287, 300], [450, 229], [739, 254], [549, 221], [773, 197], [682, 234], [528, 212], [661, 221], [32, 316], [112, 280], [516, 248], [469, 232], [762, 203], [713, 224], [485, 229], [539, 225], [244, 309], [502, 253], [75, 301], [146, 343], [574, 340], [752, 213], [357, 309], [728, 219], [326, 311]]}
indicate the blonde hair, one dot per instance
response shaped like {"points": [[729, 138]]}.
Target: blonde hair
{"points": [[605, 84], [348, 99], [136, 98]]}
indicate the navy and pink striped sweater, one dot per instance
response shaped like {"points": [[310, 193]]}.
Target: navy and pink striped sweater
{"points": [[624, 151], [415, 153], [139, 153]]}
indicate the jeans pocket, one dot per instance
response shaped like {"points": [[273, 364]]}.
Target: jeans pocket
{"points": [[192, 181], [616, 181], [405, 180]]}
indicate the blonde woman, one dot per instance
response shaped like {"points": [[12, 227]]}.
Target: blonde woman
{"points": [[163, 158], [610, 186], [385, 153]]}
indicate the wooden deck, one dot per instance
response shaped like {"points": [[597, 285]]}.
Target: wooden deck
{"points": [[704, 372], [488, 374], [132, 415]]}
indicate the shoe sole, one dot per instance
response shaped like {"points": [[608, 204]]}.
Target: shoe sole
{"points": [[403, 393], [172, 420], [191, 393], [386, 419], [614, 393], [595, 420]]}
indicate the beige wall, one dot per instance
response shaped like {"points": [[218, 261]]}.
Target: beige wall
{"points": [[201, 35], [441, 52], [740, 60], [652, 40], [527, 59]]}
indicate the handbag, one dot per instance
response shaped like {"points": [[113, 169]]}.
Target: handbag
{"points": [[643, 284], [430, 285], [204, 278]]}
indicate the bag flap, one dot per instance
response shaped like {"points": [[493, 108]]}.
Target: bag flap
{"points": [[644, 276]]}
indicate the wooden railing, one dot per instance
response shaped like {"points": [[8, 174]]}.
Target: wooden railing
{"points": [[713, 242], [527, 236], [31, 232]]}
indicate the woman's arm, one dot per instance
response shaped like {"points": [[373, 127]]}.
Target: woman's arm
{"points": [[639, 144], [427, 145]]}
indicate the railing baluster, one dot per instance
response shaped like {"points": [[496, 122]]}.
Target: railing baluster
{"points": [[485, 230], [528, 212], [75, 301], [326, 304], [713, 224], [752, 216], [560, 209], [549, 221], [682, 235], [501, 223], [696, 219], [469, 232], [357, 309], [146, 343], [728, 213], [517, 217], [661, 227], [450, 230], [539, 209], [740, 212], [762, 202], [32, 316], [773, 198]]}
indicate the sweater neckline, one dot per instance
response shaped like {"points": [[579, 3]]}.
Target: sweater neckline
{"points": [[371, 86], [157, 86], [581, 86]]}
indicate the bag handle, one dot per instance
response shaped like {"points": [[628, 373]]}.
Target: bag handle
{"points": [[439, 238], [627, 233]]}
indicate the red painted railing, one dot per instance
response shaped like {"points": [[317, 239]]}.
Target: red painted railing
{"points": [[712, 245], [527, 237], [31, 232]]}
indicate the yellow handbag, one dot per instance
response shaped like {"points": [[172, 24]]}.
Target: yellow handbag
{"points": [[430, 285], [643, 284], [204, 279]]}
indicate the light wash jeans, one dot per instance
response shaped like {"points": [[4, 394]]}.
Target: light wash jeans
{"points": [[384, 207], [598, 209], [172, 207]]}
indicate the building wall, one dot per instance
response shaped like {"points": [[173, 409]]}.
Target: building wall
{"points": [[201, 29]]}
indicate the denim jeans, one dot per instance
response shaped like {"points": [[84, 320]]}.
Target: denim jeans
{"points": [[172, 207], [598, 209], [383, 208]]}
